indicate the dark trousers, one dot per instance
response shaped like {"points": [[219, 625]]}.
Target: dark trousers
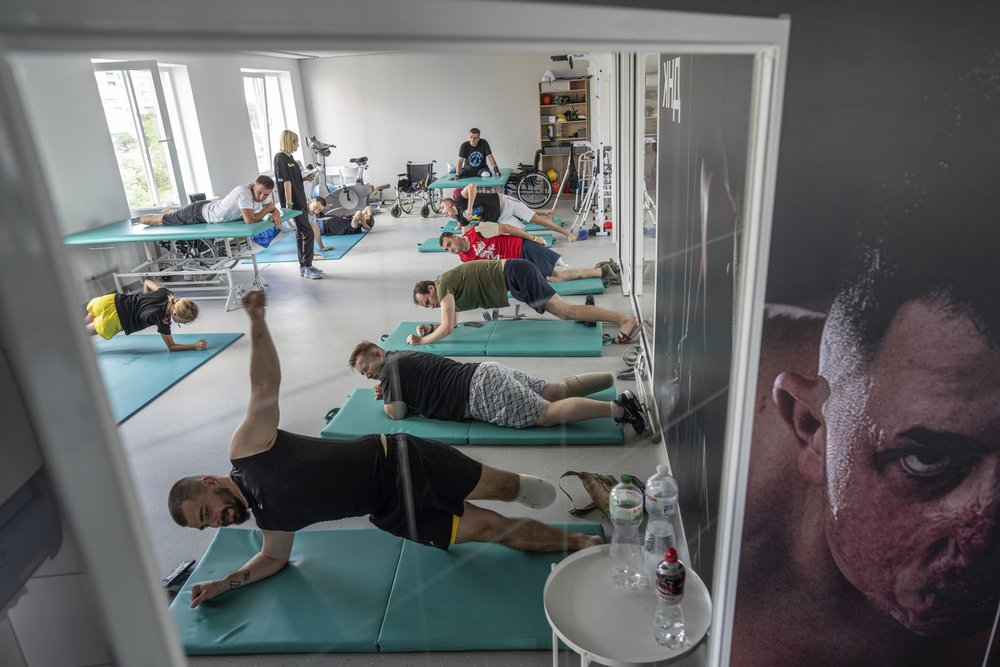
{"points": [[304, 239]]}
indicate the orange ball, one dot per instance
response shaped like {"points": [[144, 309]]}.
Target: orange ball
{"points": [[546, 99]]}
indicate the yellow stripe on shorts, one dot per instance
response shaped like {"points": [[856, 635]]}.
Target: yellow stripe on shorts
{"points": [[454, 527]]}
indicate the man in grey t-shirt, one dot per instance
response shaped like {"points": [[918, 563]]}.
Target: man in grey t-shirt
{"points": [[243, 201]]}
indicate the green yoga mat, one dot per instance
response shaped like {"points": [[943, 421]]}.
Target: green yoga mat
{"points": [[138, 368], [282, 249], [331, 597], [452, 226], [361, 415], [579, 286], [433, 244], [522, 338], [472, 597], [449, 181], [124, 231]]}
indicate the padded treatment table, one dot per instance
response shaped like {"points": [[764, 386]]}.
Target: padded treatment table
{"points": [[282, 249], [138, 368], [361, 415], [452, 226], [201, 271], [330, 597], [475, 596], [507, 338], [433, 244], [448, 181]]}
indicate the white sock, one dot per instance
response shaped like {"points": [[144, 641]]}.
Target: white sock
{"points": [[617, 411], [535, 492]]}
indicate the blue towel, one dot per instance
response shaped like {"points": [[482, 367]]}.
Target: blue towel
{"points": [[265, 237]]}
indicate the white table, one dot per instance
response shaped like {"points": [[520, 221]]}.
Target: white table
{"points": [[610, 626]]}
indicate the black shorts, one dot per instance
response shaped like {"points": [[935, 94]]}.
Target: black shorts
{"points": [[527, 284], [543, 258], [188, 215], [338, 225], [430, 481]]}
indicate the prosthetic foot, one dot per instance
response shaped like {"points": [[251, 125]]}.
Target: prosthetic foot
{"points": [[535, 492], [585, 384]]}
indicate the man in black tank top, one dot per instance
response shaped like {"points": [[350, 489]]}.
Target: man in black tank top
{"points": [[290, 481]]}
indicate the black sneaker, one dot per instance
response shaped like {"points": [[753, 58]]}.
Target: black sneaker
{"points": [[633, 411]]}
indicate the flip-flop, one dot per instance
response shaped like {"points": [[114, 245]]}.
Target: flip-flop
{"points": [[622, 338]]}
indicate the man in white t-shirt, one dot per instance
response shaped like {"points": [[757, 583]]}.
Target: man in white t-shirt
{"points": [[243, 201]]}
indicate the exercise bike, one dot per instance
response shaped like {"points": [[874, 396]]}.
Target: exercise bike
{"points": [[349, 196]]}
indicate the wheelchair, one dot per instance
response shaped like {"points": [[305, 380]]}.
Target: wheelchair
{"points": [[530, 184], [413, 185]]}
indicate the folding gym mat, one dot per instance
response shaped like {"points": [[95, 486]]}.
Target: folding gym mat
{"points": [[474, 596], [361, 415], [138, 368], [507, 338], [449, 181], [434, 245], [331, 597], [282, 249], [577, 287]]}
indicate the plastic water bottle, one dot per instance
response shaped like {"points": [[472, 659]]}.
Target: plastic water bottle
{"points": [[668, 623], [661, 504], [627, 569]]}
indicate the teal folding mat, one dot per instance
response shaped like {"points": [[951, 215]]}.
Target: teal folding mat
{"points": [[474, 596], [507, 338], [433, 244], [138, 368], [452, 226], [449, 181], [578, 287], [361, 415], [282, 249], [331, 597]]}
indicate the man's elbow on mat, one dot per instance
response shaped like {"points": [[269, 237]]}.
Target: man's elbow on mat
{"points": [[395, 410]]}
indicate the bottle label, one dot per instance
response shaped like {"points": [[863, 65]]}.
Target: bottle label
{"points": [[656, 502], [626, 508]]}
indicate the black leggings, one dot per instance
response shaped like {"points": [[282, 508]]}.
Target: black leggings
{"points": [[304, 239]]}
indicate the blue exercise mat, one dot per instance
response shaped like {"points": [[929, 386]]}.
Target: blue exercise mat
{"points": [[138, 368], [506, 338], [475, 596], [331, 597], [282, 249]]}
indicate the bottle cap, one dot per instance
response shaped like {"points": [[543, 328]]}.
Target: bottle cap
{"points": [[662, 469], [626, 479], [671, 555]]}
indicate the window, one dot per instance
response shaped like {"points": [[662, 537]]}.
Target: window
{"points": [[141, 132], [269, 114]]}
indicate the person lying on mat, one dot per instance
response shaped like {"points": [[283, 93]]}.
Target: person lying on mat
{"points": [[155, 306], [469, 207], [436, 387], [246, 202], [337, 225], [484, 284], [473, 156], [489, 240], [417, 489]]}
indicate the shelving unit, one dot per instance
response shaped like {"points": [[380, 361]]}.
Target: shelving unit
{"points": [[557, 136]]}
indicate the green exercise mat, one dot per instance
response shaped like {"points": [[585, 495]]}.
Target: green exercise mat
{"points": [[449, 181], [579, 287], [452, 226], [475, 596], [506, 338], [282, 249], [433, 244], [331, 597], [361, 415], [138, 368], [124, 231]]}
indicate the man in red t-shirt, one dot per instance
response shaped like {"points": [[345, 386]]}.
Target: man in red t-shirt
{"points": [[513, 243]]}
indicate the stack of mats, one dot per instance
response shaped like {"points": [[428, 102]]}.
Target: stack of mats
{"points": [[364, 591], [508, 338], [362, 415]]}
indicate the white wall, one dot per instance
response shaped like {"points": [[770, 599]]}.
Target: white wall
{"points": [[419, 107]]}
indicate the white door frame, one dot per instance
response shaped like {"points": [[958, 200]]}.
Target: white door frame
{"points": [[55, 366]]}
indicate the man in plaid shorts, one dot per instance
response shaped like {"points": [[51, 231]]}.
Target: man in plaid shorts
{"points": [[437, 387]]}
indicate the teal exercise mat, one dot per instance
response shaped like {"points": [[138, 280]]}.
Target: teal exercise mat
{"points": [[433, 244], [452, 226], [138, 368], [506, 338], [331, 597], [124, 231], [601, 431], [448, 181], [362, 415], [579, 287], [475, 596], [282, 249]]}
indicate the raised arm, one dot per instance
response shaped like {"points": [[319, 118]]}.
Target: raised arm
{"points": [[150, 285], [273, 556], [259, 427], [449, 317]]}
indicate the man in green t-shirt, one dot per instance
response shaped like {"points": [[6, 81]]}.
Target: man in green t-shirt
{"points": [[485, 283]]}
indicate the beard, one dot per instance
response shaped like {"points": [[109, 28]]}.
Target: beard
{"points": [[233, 512]]}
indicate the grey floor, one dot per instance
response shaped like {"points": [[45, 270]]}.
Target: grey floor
{"points": [[315, 325]]}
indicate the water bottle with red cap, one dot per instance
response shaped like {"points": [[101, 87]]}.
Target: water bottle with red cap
{"points": [[668, 623]]}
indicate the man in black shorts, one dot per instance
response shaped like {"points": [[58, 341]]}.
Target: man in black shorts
{"points": [[436, 387], [473, 156], [414, 488], [340, 225], [484, 284]]}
